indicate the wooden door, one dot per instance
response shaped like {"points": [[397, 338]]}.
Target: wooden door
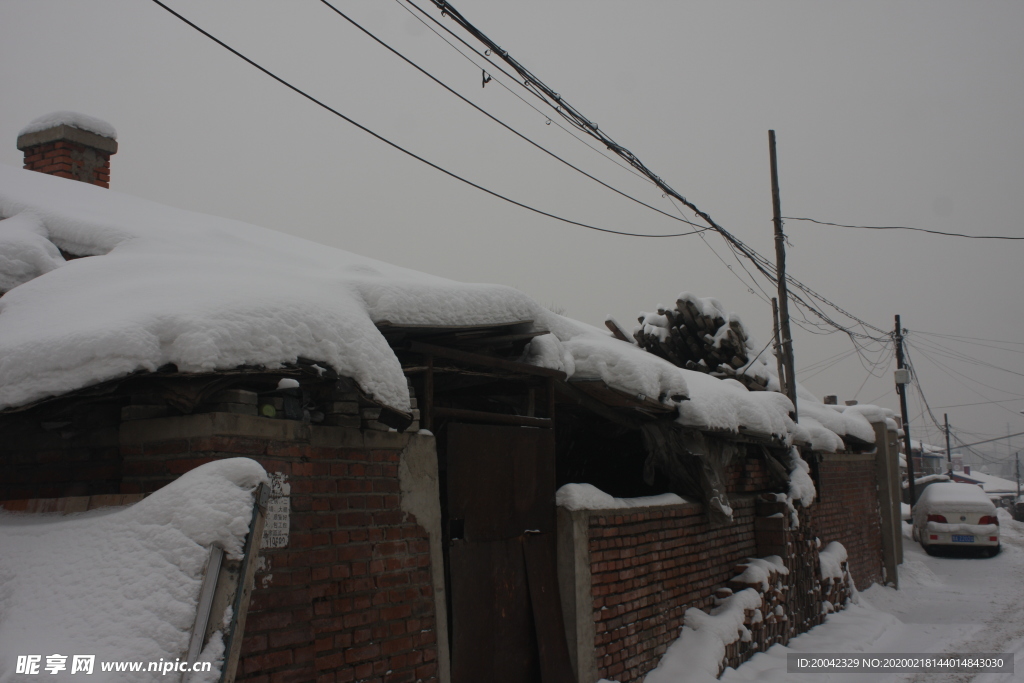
{"points": [[506, 613]]}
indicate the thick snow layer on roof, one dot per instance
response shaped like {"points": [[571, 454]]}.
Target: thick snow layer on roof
{"points": [[726, 404], [25, 253], [989, 482], [166, 285], [927, 448], [73, 119], [842, 420], [122, 584]]}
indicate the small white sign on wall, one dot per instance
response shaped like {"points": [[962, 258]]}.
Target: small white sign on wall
{"points": [[275, 531]]}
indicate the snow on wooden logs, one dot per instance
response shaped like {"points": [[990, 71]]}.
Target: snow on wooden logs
{"points": [[698, 334]]}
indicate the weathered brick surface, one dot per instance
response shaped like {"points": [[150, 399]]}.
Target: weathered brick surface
{"points": [[70, 160], [350, 598], [49, 466], [647, 568], [847, 511]]}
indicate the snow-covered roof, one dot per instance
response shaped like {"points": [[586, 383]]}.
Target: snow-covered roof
{"points": [[989, 482], [928, 449], [166, 286], [122, 583], [72, 119]]}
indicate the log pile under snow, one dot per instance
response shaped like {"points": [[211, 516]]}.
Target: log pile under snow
{"points": [[698, 334]]}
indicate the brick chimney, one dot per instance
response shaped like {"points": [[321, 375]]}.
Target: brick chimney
{"points": [[70, 145]]}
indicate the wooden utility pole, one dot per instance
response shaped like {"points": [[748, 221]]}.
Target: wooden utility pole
{"points": [[779, 352], [949, 454], [780, 268], [902, 379], [1018, 479]]}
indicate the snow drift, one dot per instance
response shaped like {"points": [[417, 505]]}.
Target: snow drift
{"points": [[124, 583]]}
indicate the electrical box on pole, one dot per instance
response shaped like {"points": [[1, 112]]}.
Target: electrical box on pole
{"points": [[901, 389]]}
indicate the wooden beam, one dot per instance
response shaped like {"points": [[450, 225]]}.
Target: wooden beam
{"points": [[427, 412], [584, 400], [480, 360], [613, 326], [499, 418]]}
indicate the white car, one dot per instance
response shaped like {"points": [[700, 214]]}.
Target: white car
{"points": [[958, 515]]}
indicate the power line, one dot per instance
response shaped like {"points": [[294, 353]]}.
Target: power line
{"points": [[980, 403], [947, 370], [901, 227], [940, 350], [553, 100], [399, 147], [961, 337], [498, 68], [496, 119], [998, 438]]}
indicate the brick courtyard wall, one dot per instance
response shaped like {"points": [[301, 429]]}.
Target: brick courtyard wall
{"points": [[634, 573], [647, 568], [638, 570], [847, 511], [350, 597], [44, 464]]}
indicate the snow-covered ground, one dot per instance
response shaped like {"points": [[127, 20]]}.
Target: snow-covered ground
{"points": [[952, 605]]}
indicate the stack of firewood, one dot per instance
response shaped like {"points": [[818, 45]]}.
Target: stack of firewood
{"points": [[699, 335]]}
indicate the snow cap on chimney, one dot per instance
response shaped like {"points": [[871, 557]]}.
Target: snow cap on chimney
{"points": [[69, 145]]}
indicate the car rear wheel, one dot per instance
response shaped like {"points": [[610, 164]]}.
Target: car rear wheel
{"points": [[992, 552]]}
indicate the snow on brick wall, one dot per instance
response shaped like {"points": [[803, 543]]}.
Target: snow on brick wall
{"points": [[647, 567], [351, 594], [847, 511]]}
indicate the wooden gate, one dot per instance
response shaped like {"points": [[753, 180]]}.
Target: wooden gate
{"points": [[506, 614]]}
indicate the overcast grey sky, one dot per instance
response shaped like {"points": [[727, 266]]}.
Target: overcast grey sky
{"points": [[887, 113]]}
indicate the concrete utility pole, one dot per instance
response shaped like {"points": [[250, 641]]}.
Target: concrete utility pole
{"points": [[780, 267], [902, 380]]}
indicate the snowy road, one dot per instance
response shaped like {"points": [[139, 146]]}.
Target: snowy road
{"points": [[945, 605]]}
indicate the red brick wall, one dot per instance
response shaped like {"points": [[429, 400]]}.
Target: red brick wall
{"points": [[70, 160], [648, 568], [45, 465], [846, 510], [350, 597]]}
